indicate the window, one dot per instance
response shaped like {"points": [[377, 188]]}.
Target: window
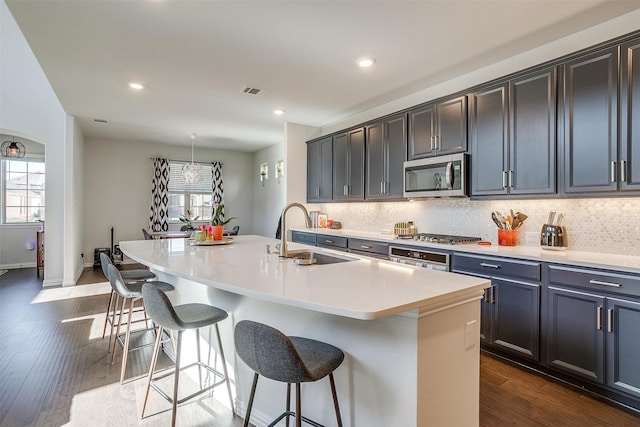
{"points": [[198, 199], [22, 191]]}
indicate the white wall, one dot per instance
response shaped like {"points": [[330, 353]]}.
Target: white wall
{"points": [[73, 200], [117, 188], [268, 196], [29, 108]]}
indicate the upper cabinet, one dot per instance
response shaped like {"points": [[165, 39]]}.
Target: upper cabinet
{"points": [[630, 116], [438, 128], [320, 170], [348, 165], [590, 87], [512, 128], [385, 153]]}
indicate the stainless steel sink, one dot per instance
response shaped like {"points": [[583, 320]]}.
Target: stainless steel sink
{"points": [[305, 257]]}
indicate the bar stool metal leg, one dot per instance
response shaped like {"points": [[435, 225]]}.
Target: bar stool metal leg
{"points": [[224, 370], [152, 367], [176, 380]]}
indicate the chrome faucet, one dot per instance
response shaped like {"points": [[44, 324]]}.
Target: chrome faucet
{"points": [[283, 226]]}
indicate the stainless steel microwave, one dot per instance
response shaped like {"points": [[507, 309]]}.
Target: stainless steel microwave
{"points": [[442, 176]]}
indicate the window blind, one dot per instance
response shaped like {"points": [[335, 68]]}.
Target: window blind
{"points": [[177, 184]]}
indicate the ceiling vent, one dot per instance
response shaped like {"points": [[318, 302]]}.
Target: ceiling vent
{"points": [[101, 121], [254, 91]]}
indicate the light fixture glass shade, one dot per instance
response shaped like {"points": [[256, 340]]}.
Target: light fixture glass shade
{"points": [[13, 149], [192, 173]]}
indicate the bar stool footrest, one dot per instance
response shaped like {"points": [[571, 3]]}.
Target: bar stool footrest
{"points": [[168, 398], [293, 414]]}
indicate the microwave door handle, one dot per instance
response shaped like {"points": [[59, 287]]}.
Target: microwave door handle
{"points": [[449, 175]]}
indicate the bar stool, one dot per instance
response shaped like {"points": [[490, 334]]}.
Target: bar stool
{"points": [[276, 356], [180, 318], [130, 293], [129, 277]]}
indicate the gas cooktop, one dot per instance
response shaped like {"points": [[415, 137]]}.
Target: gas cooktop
{"points": [[441, 238]]}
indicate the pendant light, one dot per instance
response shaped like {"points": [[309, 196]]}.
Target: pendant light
{"points": [[192, 172], [13, 149]]}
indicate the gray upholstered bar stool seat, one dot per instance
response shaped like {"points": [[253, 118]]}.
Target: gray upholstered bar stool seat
{"points": [[129, 277], [129, 293], [295, 360], [180, 318]]}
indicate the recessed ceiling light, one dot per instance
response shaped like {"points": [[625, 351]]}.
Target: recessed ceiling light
{"points": [[278, 112], [136, 85], [366, 61]]}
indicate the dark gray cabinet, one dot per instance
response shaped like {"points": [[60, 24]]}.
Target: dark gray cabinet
{"points": [[623, 345], [592, 326], [512, 129], [510, 311], [370, 248], [331, 242], [438, 128], [302, 237], [386, 142], [630, 116], [575, 337], [348, 165], [320, 170], [590, 87]]}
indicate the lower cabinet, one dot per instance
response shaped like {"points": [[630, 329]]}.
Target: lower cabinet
{"points": [[575, 336], [623, 345], [510, 310], [302, 237], [593, 326], [515, 317]]}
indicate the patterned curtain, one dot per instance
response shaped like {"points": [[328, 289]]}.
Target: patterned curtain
{"points": [[159, 217], [218, 190]]}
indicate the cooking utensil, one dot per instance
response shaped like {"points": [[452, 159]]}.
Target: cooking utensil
{"points": [[494, 217], [502, 220], [560, 218], [552, 215]]}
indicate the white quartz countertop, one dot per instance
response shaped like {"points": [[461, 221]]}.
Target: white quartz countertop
{"points": [[617, 262], [364, 288]]}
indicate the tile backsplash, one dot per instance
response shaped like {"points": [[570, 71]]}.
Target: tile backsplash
{"points": [[592, 225]]}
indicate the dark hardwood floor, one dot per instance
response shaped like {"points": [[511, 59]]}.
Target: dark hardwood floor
{"points": [[54, 371]]}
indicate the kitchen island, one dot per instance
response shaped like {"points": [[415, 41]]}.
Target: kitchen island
{"points": [[410, 335]]}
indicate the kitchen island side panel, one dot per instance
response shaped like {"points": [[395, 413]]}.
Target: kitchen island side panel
{"points": [[408, 369]]}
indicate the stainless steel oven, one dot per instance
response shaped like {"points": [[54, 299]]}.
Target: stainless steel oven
{"points": [[420, 257], [443, 176]]}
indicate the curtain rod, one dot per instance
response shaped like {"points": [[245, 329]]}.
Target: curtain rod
{"points": [[187, 161]]}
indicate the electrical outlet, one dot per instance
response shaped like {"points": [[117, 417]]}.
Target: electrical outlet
{"points": [[471, 336]]}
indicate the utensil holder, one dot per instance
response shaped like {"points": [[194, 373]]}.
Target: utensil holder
{"points": [[507, 237]]}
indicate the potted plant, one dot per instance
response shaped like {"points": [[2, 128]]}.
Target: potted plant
{"points": [[187, 219], [218, 223]]}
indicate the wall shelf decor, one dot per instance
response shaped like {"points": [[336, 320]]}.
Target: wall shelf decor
{"points": [[264, 172], [279, 169]]}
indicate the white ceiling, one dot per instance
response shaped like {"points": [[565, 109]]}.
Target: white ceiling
{"points": [[195, 57]]}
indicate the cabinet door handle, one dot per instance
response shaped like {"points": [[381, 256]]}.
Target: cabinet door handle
{"points": [[510, 179], [598, 282], [494, 292], [317, 191], [599, 318], [623, 171], [613, 171], [345, 190], [365, 247], [484, 264], [505, 183], [433, 138], [381, 187], [437, 143], [328, 241], [610, 320]]}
